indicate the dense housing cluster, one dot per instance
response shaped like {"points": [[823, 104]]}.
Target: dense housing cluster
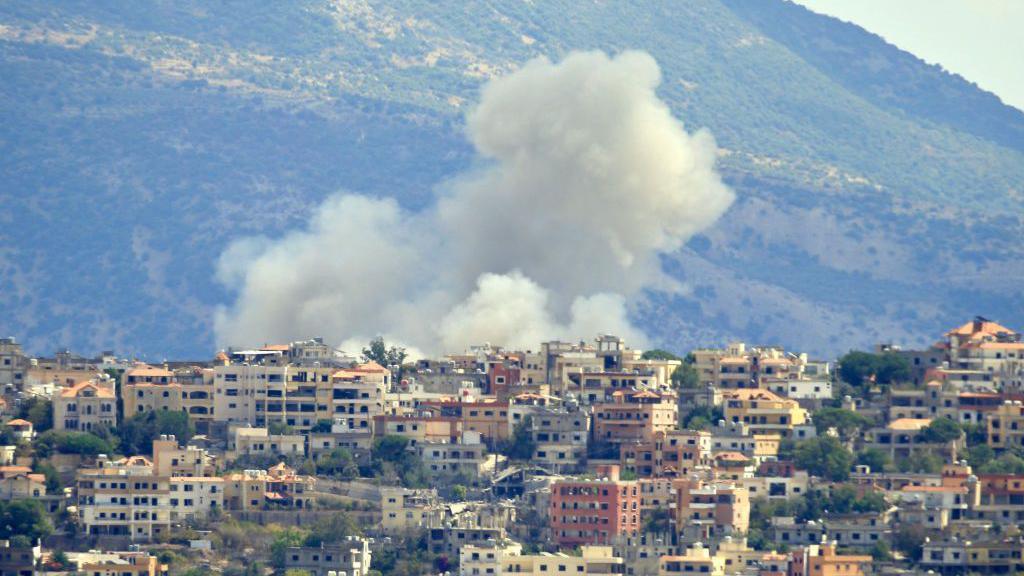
{"points": [[573, 458]]}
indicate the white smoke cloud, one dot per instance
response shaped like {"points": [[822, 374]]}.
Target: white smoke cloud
{"points": [[589, 179]]}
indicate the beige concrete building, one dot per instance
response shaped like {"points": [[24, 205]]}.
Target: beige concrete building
{"points": [[85, 406]]}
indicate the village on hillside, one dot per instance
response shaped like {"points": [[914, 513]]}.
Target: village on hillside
{"points": [[586, 457]]}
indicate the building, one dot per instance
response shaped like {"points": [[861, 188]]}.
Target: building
{"points": [[247, 441], [591, 560], [559, 430], [635, 415], [487, 557], [18, 560], [468, 456], [21, 430], [404, 510], [672, 453], [823, 560], [712, 508], [124, 498], [85, 406], [489, 419], [594, 511], [19, 482], [13, 363], [696, 560], [351, 557], [148, 388], [1005, 426], [764, 411], [117, 564]]}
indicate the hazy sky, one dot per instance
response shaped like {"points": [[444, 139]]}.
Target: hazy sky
{"points": [[982, 40]]}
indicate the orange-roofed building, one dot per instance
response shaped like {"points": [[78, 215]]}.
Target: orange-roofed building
{"points": [[667, 453], [763, 411], [148, 389], [823, 560], [21, 429], [85, 406], [635, 416], [19, 482]]}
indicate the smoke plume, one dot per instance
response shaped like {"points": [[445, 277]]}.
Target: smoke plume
{"points": [[587, 178]]}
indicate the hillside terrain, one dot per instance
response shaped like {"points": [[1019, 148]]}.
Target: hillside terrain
{"points": [[879, 198]]}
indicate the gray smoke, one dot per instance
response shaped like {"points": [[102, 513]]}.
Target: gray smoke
{"points": [[588, 179]]}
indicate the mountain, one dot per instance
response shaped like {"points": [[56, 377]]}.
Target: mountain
{"points": [[879, 198]]}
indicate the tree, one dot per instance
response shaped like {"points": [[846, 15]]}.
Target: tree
{"points": [[283, 540], [1005, 464], [391, 459], [38, 411], [458, 493], [909, 540], [702, 418], [67, 442], [685, 376], [24, 518], [846, 422], [332, 529], [980, 455], [138, 432], [858, 369], [339, 463], [53, 483], [379, 352], [824, 456], [659, 354], [880, 552], [521, 445], [941, 430], [875, 459]]}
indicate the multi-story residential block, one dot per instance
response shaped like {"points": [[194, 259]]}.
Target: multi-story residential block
{"points": [[19, 482], [85, 406], [738, 366], [18, 559], [247, 441], [487, 557], [594, 511], [171, 459], [124, 498], [351, 557], [712, 508], [403, 510], [635, 416], [592, 560], [148, 388], [764, 411], [988, 556], [730, 436], [13, 363], [823, 560], [1005, 426], [671, 453], [982, 351], [696, 560], [489, 419], [467, 456], [901, 438], [418, 428], [559, 430]]}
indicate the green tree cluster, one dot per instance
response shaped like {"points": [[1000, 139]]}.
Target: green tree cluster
{"points": [[25, 518], [391, 460], [940, 430], [684, 376], [859, 369], [520, 446], [846, 422], [824, 456], [69, 442], [138, 432], [38, 411]]}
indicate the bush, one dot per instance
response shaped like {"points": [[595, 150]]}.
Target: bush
{"points": [[941, 430], [67, 442]]}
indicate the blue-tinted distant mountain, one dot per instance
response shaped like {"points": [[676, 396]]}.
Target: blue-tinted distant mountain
{"points": [[879, 198], [884, 75]]}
